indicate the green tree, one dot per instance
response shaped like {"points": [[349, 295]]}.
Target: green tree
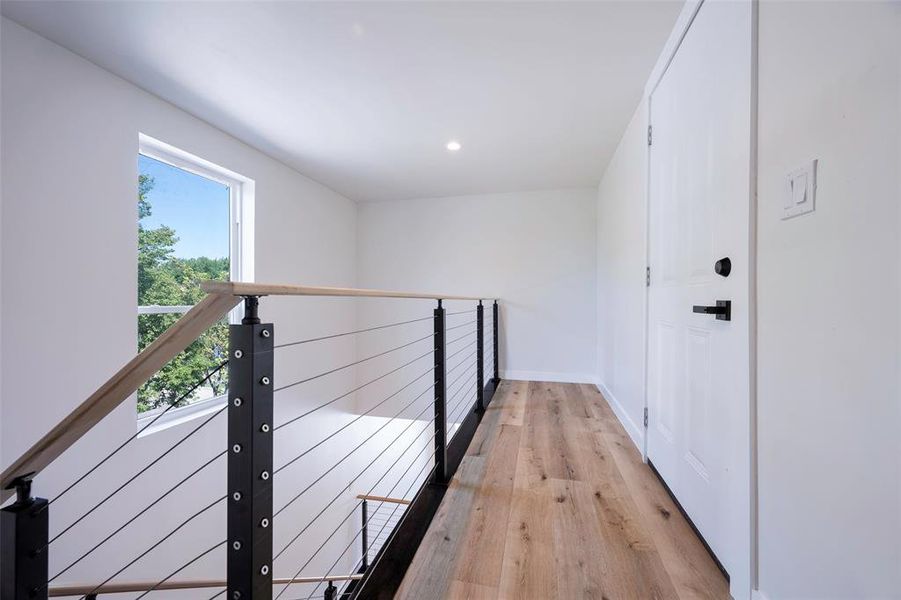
{"points": [[165, 280]]}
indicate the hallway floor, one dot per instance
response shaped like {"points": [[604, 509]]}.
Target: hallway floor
{"points": [[553, 501]]}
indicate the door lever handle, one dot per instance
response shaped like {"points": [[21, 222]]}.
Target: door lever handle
{"points": [[722, 310]]}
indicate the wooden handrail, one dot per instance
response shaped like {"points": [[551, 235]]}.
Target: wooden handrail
{"points": [[383, 499], [117, 389], [221, 297], [143, 586], [236, 288]]}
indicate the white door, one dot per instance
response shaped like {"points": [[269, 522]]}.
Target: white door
{"points": [[698, 383]]}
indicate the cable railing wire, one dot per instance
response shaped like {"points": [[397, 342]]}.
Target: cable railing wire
{"points": [[464, 390], [346, 548], [462, 409], [459, 419], [337, 335], [461, 403], [471, 367], [342, 595], [460, 325], [381, 536], [359, 531], [356, 389], [134, 436], [375, 520], [180, 569], [138, 474], [488, 361], [318, 479], [413, 420], [463, 361], [456, 352], [413, 441], [357, 362], [348, 424], [462, 337], [349, 483], [459, 312], [354, 511], [393, 532], [308, 450], [140, 513], [468, 364], [459, 390], [471, 384], [94, 591]]}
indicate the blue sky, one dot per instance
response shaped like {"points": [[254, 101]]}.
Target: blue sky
{"points": [[195, 207]]}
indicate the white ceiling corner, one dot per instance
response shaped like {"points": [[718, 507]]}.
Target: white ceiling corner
{"points": [[363, 96]]}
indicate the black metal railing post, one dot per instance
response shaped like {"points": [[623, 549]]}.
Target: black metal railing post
{"points": [[480, 358], [331, 592], [250, 376], [494, 323], [440, 398], [24, 527], [364, 538]]}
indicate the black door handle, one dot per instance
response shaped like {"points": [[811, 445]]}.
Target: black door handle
{"points": [[722, 310]]}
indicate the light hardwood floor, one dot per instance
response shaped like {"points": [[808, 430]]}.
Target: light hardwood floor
{"points": [[552, 501]]}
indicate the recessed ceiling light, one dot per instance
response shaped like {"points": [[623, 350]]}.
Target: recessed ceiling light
{"points": [[454, 145]]}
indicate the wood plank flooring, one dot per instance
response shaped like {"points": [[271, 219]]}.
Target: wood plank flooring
{"points": [[552, 501]]}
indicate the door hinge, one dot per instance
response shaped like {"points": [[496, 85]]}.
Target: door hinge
{"points": [[646, 417], [647, 276], [650, 135]]}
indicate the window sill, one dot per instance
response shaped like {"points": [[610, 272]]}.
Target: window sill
{"points": [[177, 416]]}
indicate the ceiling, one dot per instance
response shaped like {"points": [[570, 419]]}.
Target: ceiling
{"points": [[363, 97]]}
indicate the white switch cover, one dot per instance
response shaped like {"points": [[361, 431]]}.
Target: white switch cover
{"points": [[800, 191]]}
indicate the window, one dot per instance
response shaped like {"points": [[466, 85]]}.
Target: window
{"points": [[194, 224]]}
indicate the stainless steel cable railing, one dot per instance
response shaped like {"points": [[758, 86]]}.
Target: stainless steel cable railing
{"points": [[390, 430]]}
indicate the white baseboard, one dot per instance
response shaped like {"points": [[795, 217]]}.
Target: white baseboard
{"points": [[548, 376], [758, 595], [636, 433]]}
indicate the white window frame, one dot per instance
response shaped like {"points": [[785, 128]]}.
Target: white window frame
{"points": [[241, 245]]}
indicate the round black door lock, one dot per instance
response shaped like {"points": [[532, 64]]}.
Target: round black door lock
{"points": [[723, 267]]}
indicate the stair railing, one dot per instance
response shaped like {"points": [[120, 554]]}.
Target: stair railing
{"points": [[456, 399]]}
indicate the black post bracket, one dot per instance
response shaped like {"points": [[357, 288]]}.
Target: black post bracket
{"points": [[24, 532], [331, 592], [251, 310]]}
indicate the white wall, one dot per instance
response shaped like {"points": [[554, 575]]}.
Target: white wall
{"points": [[535, 250], [829, 336], [829, 355], [622, 225], [69, 252]]}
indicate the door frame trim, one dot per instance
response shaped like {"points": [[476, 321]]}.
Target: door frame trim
{"points": [[680, 30]]}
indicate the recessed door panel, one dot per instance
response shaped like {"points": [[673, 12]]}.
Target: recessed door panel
{"points": [[698, 433], [666, 393]]}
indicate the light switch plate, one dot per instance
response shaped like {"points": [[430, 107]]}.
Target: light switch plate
{"points": [[800, 191]]}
